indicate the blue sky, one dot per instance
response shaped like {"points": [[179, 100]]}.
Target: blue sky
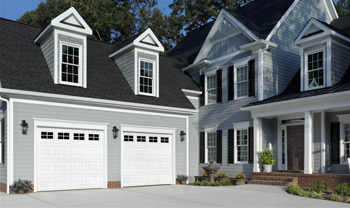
{"points": [[14, 9]]}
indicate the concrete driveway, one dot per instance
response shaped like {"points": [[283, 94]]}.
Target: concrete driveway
{"points": [[167, 196]]}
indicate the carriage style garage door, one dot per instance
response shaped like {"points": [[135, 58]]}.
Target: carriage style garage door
{"points": [[147, 159], [69, 159]]}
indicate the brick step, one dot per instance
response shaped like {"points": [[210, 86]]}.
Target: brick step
{"points": [[263, 182], [272, 178]]}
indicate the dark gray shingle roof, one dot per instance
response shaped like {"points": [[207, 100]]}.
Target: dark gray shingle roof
{"points": [[23, 67]]}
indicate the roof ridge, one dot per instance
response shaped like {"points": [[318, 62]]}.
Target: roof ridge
{"points": [[14, 21]]}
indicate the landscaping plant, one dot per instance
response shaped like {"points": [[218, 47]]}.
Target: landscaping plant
{"points": [[267, 157], [293, 189], [205, 183], [241, 176], [205, 174], [336, 197], [342, 189], [223, 175], [181, 178], [319, 186], [21, 186], [316, 195], [197, 183]]}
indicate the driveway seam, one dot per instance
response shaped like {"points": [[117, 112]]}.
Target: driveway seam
{"points": [[44, 201]]}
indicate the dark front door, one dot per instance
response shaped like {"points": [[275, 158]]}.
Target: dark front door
{"points": [[295, 138]]}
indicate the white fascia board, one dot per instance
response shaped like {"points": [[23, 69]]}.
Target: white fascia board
{"points": [[38, 38], [331, 10], [121, 50], [208, 43], [109, 103], [200, 64], [283, 18], [260, 44], [313, 103], [191, 92]]}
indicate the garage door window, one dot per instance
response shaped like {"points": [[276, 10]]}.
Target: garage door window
{"points": [[46, 135], [164, 140], [153, 139], [94, 137], [141, 139], [63, 135], [79, 136], [128, 138]]}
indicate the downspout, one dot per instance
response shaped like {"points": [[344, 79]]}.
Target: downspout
{"points": [[7, 142]]}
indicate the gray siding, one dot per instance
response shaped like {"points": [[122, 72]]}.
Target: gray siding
{"points": [[49, 53], [193, 142], [24, 144], [227, 46], [270, 77], [269, 135], [126, 66], [340, 62], [317, 142], [286, 57]]}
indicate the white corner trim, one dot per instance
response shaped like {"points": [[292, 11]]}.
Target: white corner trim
{"points": [[260, 75], [212, 128], [328, 70], [240, 125], [9, 127], [284, 17]]}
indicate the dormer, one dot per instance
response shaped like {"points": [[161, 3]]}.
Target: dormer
{"points": [[64, 45], [324, 55], [138, 60]]}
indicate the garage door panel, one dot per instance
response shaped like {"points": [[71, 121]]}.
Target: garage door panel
{"points": [[63, 167], [78, 152], [63, 151]]}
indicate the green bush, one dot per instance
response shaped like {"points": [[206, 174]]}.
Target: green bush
{"points": [[293, 189], [347, 201], [303, 193], [319, 186], [21, 185], [316, 195], [181, 177], [217, 183], [342, 189], [228, 183], [266, 157], [196, 183], [336, 197], [205, 183]]}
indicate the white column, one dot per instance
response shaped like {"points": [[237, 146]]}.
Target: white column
{"points": [[257, 143], [308, 143], [323, 142]]}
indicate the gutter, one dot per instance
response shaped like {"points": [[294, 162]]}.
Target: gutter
{"points": [[8, 166]]}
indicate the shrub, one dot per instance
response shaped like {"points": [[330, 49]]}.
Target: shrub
{"points": [[21, 185], [266, 157], [205, 174], [217, 183], [316, 195], [228, 183], [196, 183], [205, 183], [223, 175], [319, 186], [303, 193], [336, 197], [347, 201], [241, 176], [182, 177], [342, 189], [293, 189]]}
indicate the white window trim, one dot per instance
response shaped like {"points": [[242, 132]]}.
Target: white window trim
{"points": [[306, 74], [209, 74], [343, 119], [80, 69], [208, 129], [237, 66], [237, 127], [206, 145], [153, 77], [1, 139]]}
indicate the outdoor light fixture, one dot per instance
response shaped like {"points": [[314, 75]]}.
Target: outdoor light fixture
{"points": [[24, 127], [182, 136], [115, 131]]}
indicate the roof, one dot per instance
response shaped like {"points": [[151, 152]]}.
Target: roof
{"points": [[23, 67], [293, 90], [187, 50], [261, 16], [340, 25]]}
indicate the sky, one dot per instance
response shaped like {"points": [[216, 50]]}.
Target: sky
{"points": [[14, 9]]}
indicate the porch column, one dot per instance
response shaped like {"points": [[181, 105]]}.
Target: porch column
{"points": [[257, 143], [323, 142], [308, 143]]}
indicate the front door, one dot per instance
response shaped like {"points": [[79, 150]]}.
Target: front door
{"points": [[295, 138]]}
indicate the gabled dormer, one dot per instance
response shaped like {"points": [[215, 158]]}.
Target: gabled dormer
{"points": [[324, 54], [64, 45], [138, 60]]}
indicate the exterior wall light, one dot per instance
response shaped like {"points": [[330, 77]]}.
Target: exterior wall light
{"points": [[115, 131], [182, 136], [24, 127]]}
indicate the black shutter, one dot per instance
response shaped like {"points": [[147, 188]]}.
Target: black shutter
{"points": [[230, 83], [202, 148], [219, 146], [335, 147], [202, 88], [230, 146], [251, 144], [219, 86], [251, 71]]}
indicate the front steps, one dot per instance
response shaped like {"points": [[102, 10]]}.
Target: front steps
{"points": [[273, 179]]}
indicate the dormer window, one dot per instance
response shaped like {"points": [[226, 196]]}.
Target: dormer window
{"points": [[146, 83], [70, 66], [315, 69]]}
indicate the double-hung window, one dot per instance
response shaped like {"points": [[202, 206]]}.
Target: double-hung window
{"points": [[241, 81], [315, 69], [241, 145], [211, 146], [211, 89], [70, 65], [146, 73], [346, 141]]}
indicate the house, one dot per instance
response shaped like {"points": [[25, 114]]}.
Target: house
{"points": [[79, 113]]}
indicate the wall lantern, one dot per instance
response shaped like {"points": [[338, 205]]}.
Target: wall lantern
{"points": [[115, 131], [182, 136], [24, 127]]}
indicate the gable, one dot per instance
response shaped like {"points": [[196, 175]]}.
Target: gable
{"points": [[72, 20], [149, 40], [312, 30]]}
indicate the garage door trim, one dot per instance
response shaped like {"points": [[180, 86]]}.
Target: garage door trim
{"points": [[69, 124], [150, 130]]}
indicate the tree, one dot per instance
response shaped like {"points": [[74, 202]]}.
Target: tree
{"points": [[343, 7]]}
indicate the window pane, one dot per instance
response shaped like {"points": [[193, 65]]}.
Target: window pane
{"points": [[242, 145], [64, 49], [146, 77], [70, 64], [211, 144], [242, 81], [211, 89]]}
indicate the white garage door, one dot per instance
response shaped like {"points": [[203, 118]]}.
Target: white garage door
{"points": [[147, 159], [69, 159]]}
